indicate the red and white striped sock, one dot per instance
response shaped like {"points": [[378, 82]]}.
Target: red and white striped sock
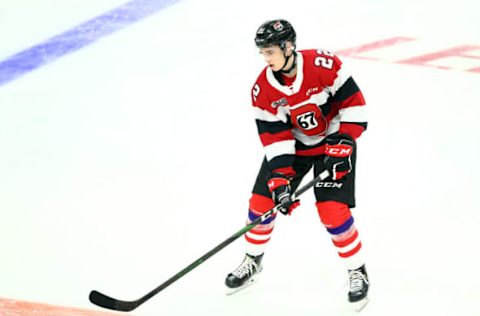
{"points": [[349, 246], [258, 237], [338, 220]]}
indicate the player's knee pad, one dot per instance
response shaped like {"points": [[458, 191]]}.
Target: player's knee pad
{"points": [[258, 206], [333, 214]]}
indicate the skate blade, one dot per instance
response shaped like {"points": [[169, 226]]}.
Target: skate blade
{"points": [[231, 291], [358, 306]]}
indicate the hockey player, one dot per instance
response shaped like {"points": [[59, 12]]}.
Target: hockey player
{"points": [[309, 113]]}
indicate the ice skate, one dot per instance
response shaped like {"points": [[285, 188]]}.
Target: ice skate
{"points": [[246, 274], [358, 292]]}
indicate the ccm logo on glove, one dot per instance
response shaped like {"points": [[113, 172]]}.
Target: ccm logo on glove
{"points": [[338, 150]]}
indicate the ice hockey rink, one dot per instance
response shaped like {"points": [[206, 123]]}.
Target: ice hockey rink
{"points": [[129, 149]]}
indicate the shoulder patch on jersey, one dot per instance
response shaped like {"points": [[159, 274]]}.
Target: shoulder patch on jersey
{"points": [[281, 102]]}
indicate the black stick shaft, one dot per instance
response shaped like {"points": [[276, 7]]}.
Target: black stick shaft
{"points": [[107, 302]]}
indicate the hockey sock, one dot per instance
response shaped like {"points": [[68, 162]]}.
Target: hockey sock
{"points": [[258, 237], [338, 220]]}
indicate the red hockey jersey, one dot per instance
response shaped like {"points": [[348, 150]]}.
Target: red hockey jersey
{"points": [[295, 119]]}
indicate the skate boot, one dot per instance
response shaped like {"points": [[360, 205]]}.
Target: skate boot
{"points": [[246, 274], [357, 294]]}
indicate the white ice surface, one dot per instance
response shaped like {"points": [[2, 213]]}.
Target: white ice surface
{"points": [[125, 161]]}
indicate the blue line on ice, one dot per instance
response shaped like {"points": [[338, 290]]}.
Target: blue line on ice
{"points": [[78, 37]]}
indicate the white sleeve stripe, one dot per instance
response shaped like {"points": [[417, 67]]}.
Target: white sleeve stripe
{"points": [[264, 115], [284, 147], [353, 114], [342, 77]]}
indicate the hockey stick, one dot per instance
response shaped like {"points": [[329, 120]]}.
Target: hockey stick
{"points": [[105, 301]]}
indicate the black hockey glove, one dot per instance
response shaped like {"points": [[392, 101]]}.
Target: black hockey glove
{"points": [[281, 191], [338, 151]]}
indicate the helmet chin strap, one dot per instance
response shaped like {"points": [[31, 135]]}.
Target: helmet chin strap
{"points": [[294, 64]]}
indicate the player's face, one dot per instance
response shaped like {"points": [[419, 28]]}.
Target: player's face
{"points": [[273, 56]]}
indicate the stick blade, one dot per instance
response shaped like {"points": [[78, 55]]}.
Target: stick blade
{"points": [[105, 301]]}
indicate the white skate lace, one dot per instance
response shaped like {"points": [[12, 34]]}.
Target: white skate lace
{"points": [[245, 268], [357, 278]]}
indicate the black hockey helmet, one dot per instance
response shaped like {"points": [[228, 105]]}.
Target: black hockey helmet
{"points": [[275, 32]]}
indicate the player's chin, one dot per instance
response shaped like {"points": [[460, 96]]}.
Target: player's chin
{"points": [[274, 68]]}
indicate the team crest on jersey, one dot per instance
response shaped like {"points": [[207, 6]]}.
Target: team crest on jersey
{"points": [[278, 26], [280, 102]]}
